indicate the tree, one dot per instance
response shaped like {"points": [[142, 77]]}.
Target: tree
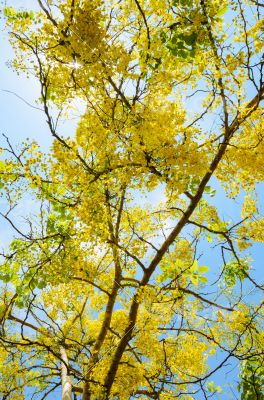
{"points": [[103, 293]]}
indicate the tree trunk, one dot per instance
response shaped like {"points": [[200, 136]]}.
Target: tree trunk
{"points": [[65, 380]]}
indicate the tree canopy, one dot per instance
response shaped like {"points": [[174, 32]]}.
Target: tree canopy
{"points": [[104, 293]]}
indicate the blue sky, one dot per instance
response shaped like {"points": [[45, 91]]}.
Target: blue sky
{"points": [[20, 121]]}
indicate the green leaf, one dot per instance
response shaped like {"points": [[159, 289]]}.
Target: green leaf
{"points": [[163, 37], [203, 279], [194, 279], [203, 268], [12, 14], [6, 277], [33, 283], [222, 11], [218, 389], [20, 303], [209, 238], [211, 386], [41, 285], [189, 39], [212, 193], [183, 53], [174, 52], [187, 3], [194, 266]]}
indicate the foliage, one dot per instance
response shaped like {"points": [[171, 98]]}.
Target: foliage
{"points": [[105, 292], [252, 380]]}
